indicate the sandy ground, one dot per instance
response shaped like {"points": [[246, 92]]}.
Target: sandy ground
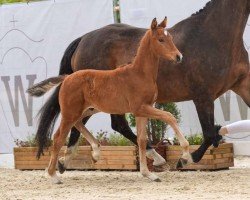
{"points": [[226, 184]]}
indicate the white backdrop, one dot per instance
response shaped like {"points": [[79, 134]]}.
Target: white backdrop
{"points": [[140, 13], [32, 41]]}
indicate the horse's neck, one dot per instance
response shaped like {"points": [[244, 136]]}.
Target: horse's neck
{"points": [[226, 19], [146, 62]]}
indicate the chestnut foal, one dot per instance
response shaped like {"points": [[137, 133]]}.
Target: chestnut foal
{"points": [[129, 89]]}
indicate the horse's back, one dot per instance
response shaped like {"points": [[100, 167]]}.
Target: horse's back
{"points": [[107, 47]]}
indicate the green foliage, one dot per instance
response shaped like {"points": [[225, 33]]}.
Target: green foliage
{"points": [[119, 140], [156, 129], [30, 142], [14, 1], [193, 139], [113, 139]]}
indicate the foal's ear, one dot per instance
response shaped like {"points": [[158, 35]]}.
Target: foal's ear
{"points": [[163, 24], [154, 24]]}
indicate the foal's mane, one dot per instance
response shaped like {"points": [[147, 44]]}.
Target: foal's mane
{"points": [[205, 8]]}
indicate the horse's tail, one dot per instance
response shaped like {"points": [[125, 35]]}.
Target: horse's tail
{"points": [[41, 88], [51, 109]]}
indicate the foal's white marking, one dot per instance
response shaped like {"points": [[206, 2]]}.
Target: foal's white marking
{"points": [[146, 173], [54, 178], [166, 32], [188, 157], [96, 152]]}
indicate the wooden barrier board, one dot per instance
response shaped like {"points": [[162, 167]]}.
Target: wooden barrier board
{"points": [[112, 157], [214, 158]]}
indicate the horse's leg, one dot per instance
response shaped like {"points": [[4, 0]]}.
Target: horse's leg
{"points": [[91, 139], [141, 123], [151, 112], [72, 146], [120, 124], [205, 110], [58, 141]]}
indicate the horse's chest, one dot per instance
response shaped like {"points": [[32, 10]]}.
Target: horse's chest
{"points": [[150, 95]]}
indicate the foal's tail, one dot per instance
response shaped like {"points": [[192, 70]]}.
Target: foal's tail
{"points": [[50, 111], [41, 88]]}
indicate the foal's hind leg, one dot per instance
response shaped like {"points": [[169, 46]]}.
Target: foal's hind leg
{"points": [[71, 150], [91, 139], [72, 147], [58, 141]]}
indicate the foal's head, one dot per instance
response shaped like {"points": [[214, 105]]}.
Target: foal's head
{"points": [[162, 42]]}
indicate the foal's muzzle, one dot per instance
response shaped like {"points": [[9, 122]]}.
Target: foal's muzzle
{"points": [[179, 58]]}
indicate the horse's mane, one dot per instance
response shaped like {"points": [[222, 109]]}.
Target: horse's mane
{"points": [[208, 5]]}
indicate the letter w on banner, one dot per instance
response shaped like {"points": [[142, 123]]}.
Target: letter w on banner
{"points": [[33, 38]]}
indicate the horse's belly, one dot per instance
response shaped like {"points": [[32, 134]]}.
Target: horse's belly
{"points": [[111, 105]]}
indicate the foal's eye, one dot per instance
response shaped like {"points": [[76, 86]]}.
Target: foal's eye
{"points": [[161, 40]]}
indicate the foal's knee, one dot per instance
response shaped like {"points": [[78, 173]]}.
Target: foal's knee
{"points": [[171, 118]]}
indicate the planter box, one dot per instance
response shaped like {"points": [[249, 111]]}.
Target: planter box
{"points": [[214, 158], [112, 157]]}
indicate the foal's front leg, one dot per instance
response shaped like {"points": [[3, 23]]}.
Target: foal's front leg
{"points": [[151, 112], [120, 124], [142, 142]]}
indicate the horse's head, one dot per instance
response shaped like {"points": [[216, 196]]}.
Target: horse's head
{"points": [[162, 42]]}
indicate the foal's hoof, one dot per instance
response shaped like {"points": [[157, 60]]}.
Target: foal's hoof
{"points": [[181, 163], [56, 180], [153, 177], [95, 157], [61, 167], [157, 180], [161, 168]]}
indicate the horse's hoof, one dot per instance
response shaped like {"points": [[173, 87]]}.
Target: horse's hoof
{"points": [[161, 168], [218, 137], [61, 167], [181, 163]]}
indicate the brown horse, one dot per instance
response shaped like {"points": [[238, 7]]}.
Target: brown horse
{"points": [[128, 89], [215, 61]]}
